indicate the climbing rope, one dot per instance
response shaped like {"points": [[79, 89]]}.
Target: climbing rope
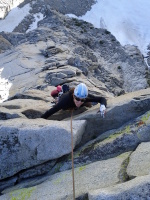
{"points": [[72, 158]]}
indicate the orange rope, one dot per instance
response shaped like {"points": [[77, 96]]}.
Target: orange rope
{"points": [[72, 159]]}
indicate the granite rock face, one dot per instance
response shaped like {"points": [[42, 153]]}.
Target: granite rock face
{"points": [[111, 154], [91, 55], [92, 176], [27, 143], [137, 188]]}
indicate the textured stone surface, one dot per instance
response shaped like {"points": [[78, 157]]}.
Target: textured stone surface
{"points": [[25, 108], [26, 143], [120, 110], [88, 177], [64, 50], [139, 164], [137, 188], [113, 143]]}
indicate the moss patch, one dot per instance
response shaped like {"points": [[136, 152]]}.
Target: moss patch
{"points": [[146, 117], [60, 179], [81, 168], [22, 194], [57, 168], [115, 135], [123, 176], [144, 120], [84, 150]]}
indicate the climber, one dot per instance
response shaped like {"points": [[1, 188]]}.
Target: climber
{"points": [[75, 98]]}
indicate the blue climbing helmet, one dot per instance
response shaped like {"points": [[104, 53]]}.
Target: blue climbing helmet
{"points": [[81, 91]]}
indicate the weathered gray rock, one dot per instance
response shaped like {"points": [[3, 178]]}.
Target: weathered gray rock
{"points": [[139, 164], [26, 143], [8, 183], [90, 177], [95, 52], [79, 7], [4, 44], [137, 188], [29, 108], [9, 114], [64, 50], [120, 111], [36, 171], [34, 94], [113, 143], [26, 66]]}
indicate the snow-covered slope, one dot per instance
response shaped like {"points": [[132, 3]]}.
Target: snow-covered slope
{"points": [[127, 20], [7, 5]]}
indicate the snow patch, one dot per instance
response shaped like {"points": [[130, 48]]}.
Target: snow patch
{"points": [[5, 86], [15, 16], [38, 17]]}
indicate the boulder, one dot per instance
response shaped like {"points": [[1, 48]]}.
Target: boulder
{"points": [[35, 94], [139, 164], [120, 110], [113, 143], [29, 108], [137, 188], [9, 114], [4, 44], [25, 143], [89, 177]]}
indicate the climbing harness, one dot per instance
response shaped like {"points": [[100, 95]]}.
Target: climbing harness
{"points": [[72, 158]]}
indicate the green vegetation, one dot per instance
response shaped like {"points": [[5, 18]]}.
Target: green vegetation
{"points": [[22, 194], [58, 166], [60, 179], [123, 176], [145, 117], [81, 168], [126, 130]]}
